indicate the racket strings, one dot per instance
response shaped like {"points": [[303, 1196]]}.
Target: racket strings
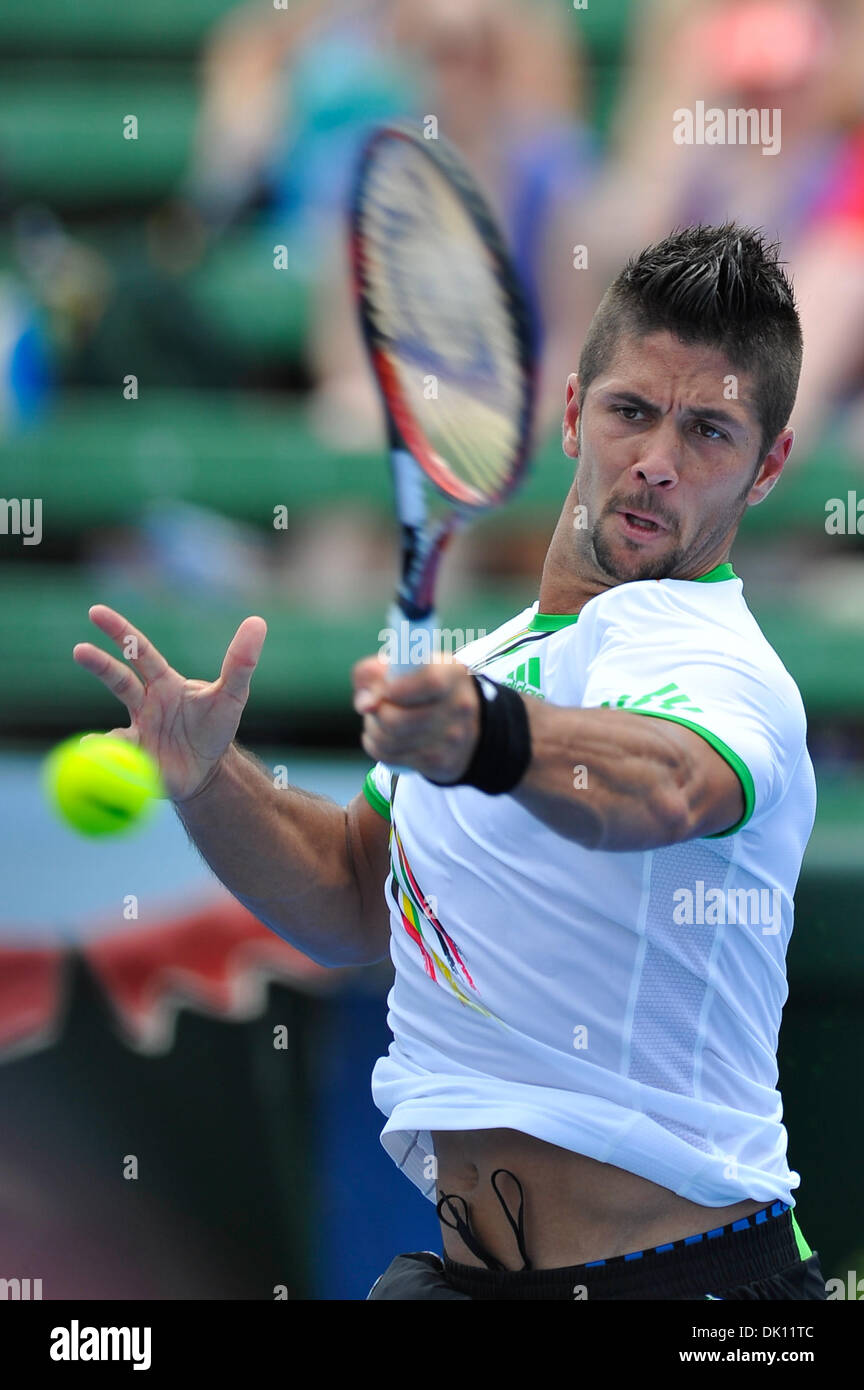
{"points": [[422, 277], [441, 310], [482, 450]]}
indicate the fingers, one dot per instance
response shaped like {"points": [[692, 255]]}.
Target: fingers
{"points": [[400, 727], [440, 747], [112, 673], [241, 658], [431, 683], [138, 649], [428, 719], [369, 678]]}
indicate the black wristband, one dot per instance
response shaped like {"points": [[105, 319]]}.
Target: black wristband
{"points": [[503, 751]]}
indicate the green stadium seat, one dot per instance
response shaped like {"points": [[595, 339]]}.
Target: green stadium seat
{"points": [[61, 132], [104, 27]]}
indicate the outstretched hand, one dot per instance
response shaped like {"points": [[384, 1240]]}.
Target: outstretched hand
{"points": [[185, 725]]}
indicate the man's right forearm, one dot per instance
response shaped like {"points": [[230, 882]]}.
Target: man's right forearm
{"points": [[284, 853]]}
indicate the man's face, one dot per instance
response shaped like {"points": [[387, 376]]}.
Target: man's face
{"points": [[668, 457]]}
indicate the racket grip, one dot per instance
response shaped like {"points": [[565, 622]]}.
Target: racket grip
{"points": [[414, 643], [412, 638]]}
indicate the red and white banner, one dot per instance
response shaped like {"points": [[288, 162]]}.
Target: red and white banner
{"points": [[216, 959]]}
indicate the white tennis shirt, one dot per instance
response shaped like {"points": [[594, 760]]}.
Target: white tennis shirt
{"points": [[624, 1005]]}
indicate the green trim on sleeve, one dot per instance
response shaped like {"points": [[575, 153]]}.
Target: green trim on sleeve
{"points": [[803, 1248], [378, 802], [737, 765]]}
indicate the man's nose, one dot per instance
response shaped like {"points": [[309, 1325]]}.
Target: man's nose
{"points": [[658, 462]]}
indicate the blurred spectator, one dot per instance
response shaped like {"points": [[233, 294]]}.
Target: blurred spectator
{"points": [[94, 316], [801, 58], [192, 549], [25, 359], [70, 280], [829, 281], [289, 96]]}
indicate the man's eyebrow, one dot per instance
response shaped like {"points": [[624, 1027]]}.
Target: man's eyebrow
{"points": [[700, 412]]}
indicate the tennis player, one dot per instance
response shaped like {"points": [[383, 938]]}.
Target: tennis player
{"points": [[586, 885]]}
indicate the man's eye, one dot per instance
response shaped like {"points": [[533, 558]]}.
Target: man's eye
{"points": [[717, 434], [622, 409]]}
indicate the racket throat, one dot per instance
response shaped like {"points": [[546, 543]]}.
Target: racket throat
{"points": [[421, 557]]}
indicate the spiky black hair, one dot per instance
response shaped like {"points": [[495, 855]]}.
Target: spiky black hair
{"points": [[720, 286]]}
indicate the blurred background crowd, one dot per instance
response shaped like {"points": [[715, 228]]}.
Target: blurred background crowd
{"points": [[152, 166], [165, 388]]}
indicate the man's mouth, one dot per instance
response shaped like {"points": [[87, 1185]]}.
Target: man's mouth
{"points": [[641, 522]]}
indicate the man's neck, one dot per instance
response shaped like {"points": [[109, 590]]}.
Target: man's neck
{"points": [[570, 578], [567, 582]]}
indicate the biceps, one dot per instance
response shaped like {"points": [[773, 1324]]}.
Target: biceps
{"points": [[715, 785]]}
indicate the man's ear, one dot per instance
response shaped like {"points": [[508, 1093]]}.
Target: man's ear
{"points": [[772, 467], [570, 440]]}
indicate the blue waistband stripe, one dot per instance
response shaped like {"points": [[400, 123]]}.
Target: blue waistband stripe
{"points": [[759, 1218]]}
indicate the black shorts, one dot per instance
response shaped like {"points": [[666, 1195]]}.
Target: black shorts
{"points": [[762, 1256]]}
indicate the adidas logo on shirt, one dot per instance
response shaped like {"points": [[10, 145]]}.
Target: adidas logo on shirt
{"points": [[526, 678]]}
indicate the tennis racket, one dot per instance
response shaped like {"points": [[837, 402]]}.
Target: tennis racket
{"points": [[453, 346]]}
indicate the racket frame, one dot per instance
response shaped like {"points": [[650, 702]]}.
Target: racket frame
{"points": [[412, 458]]}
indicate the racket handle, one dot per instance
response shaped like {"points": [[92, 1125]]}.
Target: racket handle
{"points": [[413, 637]]}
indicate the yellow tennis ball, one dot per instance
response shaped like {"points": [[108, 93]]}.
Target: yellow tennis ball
{"points": [[101, 786]]}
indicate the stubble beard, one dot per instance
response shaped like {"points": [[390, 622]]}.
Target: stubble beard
{"points": [[645, 566], [661, 566], [609, 558]]}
